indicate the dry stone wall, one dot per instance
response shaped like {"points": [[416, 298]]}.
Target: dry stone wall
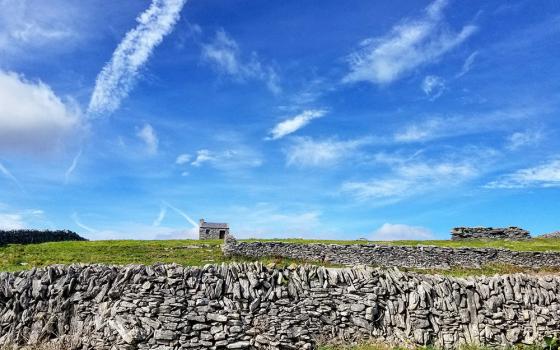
{"points": [[513, 233], [249, 306], [37, 236], [391, 256]]}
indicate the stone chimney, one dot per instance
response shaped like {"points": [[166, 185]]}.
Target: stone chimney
{"points": [[200, 222]]}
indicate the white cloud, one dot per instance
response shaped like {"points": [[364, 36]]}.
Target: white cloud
{"points": [[148, 135], [228, 160], [224, 55], [444, 170], [27, 25], [410, 44], [32, 117], [291, 125], [378, 189], [72, 167], [183, 159], [118, 77], [521, 139], [433, 86], [411, 177], [467, 65], [391, 232], [202, 156], [305, 151], [544, 175], [432, 128], [22, 219], [11, 222]]}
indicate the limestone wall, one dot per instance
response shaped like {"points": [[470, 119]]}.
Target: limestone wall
{"points": [[391, 256], [249, 306]]}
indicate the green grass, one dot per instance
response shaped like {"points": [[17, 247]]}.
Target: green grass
{"points": [[16, 257], [187, 252]]}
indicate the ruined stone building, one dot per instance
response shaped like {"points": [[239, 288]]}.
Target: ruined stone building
{"points": [[212, 230], [513, 233]]}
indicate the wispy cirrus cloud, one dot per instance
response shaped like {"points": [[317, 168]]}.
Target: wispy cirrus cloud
{"points": [[37, 26], [411, 176], [117, 78], [410, 180], [437, 127], [410, 44], [467, 65], [305, 151], [232, 159], [523, 138], [183, 159], [295, 123], [149, 137], [224, 55], [433, 86], [543, 175]]}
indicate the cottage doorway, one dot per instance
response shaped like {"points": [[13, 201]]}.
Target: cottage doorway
{"points": [[222, 234]]}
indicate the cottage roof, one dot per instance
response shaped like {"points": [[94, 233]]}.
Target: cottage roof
{"points": [[213, 225]]}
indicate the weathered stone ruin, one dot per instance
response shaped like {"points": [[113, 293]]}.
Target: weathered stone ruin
{"points": [[550, 235], [212, 230], [513, 233], [250, 306]]}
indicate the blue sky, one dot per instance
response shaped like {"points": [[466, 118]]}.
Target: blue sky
{"points": [[386, 120]]}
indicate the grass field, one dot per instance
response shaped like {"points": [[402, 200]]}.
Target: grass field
{"points": [[193, 252]]}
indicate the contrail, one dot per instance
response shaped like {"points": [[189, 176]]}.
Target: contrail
{"points": [[9, 175], [161, 216], [119, 75], [72, 167], [79, 224], [182, 213]]}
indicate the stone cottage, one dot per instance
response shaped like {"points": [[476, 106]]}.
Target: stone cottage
{"points": [[212, 230]]}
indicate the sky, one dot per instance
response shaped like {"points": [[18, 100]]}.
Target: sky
{"points": [[356, 119]]}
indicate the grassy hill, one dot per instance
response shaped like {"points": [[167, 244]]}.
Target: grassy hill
{"points": [[15, 257]]}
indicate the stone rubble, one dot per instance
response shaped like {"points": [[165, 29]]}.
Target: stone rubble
{"points": [[555, 235], [250, 306], [512, 233]]}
